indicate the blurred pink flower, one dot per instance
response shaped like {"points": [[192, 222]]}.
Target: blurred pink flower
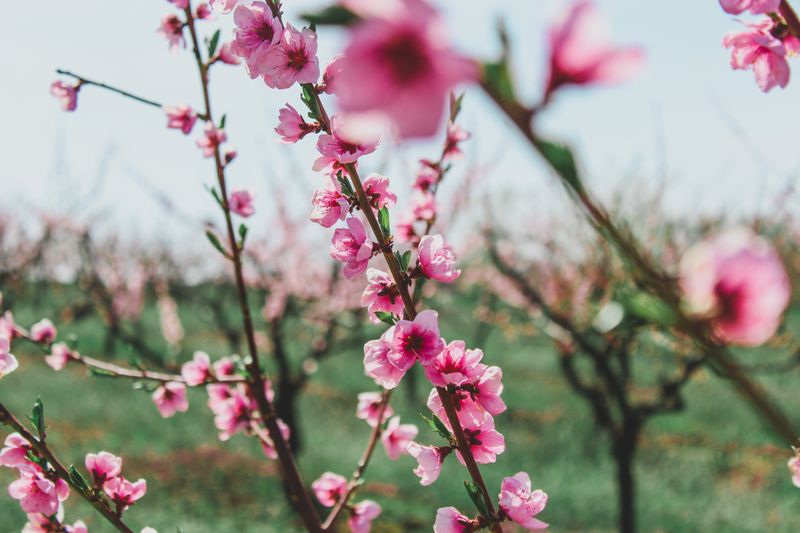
{"points": [[241, 202], [202, 11], [332, 70], [123, 492], [181, 117], [292, 60], [450, 520], [335, 147], [756, 7], [426, 178], [15, 451], [198, 370], [291, 126], [369, 408], [361, 516], [429, 462], [399, 64], [226, 55], [417, 339], [103, 467], [170, 398], [376, 188], [329, 488], [172, 29], [396, 437], [43, 331], [519, 503], [77, 527], [8, 363], [423, 205], [377, 364], [257, 30], [352, 247], [436, 260], [223, 6], [758, 49], [38, 494], [211, 139], [268, 447], [580, 53], [455, 136], [67, 95], [737, 280], [180, 4], [794, 468]]}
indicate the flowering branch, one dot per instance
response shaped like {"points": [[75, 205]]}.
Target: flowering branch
{"points": [[42, 450]]}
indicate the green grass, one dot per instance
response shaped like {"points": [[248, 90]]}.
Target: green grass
{"points": [[713, 467]]}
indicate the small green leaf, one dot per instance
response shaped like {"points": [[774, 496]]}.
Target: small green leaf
{"points": [[387, 318], [561, 159], [477, 499], [222, 122], [437, 426], [100, 372], [331, 16], [77, 478], [383, 220], [347, 189], [404, 260], [649, 308], [37, 417], [214, 240], [212, 45], [455, 105], [215, 194], [309, 97], [242, 235]]}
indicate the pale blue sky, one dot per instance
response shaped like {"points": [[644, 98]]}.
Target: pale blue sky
{"points": [[686, 118]]}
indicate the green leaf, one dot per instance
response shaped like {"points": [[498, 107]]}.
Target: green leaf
{"points": [[383, 220], [347, 189], [101, 373], [404, 260], [455, 105], [77, 478], [309, 97], [212, 45], [215, 194], [649, 308], [437, 426], [477, 499], [331, 16], [385, 317], [214, 240], [563, 162], [242, 235], [222, 122], [37, 417]]}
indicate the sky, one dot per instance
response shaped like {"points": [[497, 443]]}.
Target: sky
{"points": [[686, 122]]}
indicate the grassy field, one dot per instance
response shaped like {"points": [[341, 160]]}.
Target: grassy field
{"points": [[713, 467]]}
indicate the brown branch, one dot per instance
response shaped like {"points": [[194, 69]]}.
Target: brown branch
{"points": [[791, 18]]}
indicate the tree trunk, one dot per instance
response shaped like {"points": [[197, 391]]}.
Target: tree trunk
{"points": [[625, 443]]}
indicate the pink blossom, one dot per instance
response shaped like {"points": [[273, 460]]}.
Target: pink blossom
{"points": [[376, 188], [8, 327], [450, 520], [436, 260], [103, 467], [756, 7], [429, 461], [332, 70], [519, 503], [198, 370], [43, 331], [60, 354], [225, 367], [337, 148], [404, 228], [361, 516], [377, 364], [329, 488], [455, 365], [369, 408], [38, 494], [757, 48], [268, 447], [292, 60], [180, 4], [423, 206], [396, 437], [469, 411], [15, 451], [352, 247], [581, 54], [400, 65], [226, 55], [223, 6], [455, 136], [67, 95], [426, 178], [211, 139], [241, 202], [257, 30], [172, 29], [381, 294], [202, 11], [39, 523], [170, 398], [232, 414], [330, 205], [181, 117], [291, 126], [8, 363], [485, 442], [77, 527], [417, 339], [487, 390], [794, 468], [737, 280], [123, 492]]}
